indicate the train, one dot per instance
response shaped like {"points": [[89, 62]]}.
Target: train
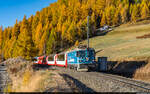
{"points": [[78, 59]]}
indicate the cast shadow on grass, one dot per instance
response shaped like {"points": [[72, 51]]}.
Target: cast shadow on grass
{"points": [[98, 51], [125, 68], [100, 33]]}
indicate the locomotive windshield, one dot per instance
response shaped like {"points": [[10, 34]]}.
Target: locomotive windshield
{"points": [[85, 53], [92, 52], [81, 54]]}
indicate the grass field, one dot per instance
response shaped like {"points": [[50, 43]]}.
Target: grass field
{"points": [[121, 43]]}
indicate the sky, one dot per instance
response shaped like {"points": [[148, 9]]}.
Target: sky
{"points": [[10, 10]]}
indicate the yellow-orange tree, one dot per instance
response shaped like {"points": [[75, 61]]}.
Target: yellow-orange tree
{"points": [[64, 22]]}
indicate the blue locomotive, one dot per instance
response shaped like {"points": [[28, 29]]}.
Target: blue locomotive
{"points": [[81, 59]]}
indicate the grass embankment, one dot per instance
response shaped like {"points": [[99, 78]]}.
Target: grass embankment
{"points": [[122, 45], [26, 79]]}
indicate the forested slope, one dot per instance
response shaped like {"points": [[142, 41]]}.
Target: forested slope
{"points": [[63, 23]]}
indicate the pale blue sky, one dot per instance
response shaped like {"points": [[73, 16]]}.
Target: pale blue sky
{"points": [[10, 10]]}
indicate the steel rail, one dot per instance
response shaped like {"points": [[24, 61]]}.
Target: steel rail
{"points": [[139, 85]]}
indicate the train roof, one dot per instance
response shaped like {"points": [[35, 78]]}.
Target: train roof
{"points": [[78, 49]]}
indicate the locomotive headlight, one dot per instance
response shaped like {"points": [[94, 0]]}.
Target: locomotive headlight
{"points": [[80, 60], [87, 59]]}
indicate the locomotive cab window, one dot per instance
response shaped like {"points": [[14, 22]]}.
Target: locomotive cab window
{"points": [[81, 54], [51, 58], [61, 57], [92, 52]]}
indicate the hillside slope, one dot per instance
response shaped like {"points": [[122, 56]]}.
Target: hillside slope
{"points": [[122, 42]]}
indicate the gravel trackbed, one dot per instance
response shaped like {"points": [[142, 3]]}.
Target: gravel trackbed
{"points": [[101, 82]]}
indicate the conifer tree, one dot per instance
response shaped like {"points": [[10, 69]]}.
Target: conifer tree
{"points": [[124, 14], [144, 10], [108, 15], [24, 43], [116, 18], [52, 42], [77, 43], [71, 33], [38, 34], [100, 6], [16, 30], [103, 21], [44, 38], [1, 39], [135, 13], [64, 30]]}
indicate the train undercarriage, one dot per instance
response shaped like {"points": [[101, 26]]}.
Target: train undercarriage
{"points": [[83, 67]]}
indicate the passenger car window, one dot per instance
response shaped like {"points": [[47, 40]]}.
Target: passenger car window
{"points": [[61, 57], [51, 58]]}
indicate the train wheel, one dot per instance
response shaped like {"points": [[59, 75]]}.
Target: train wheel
{"points": [[74, 68], [69, 67]]}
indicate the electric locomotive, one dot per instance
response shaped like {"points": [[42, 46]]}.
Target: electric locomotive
{"points": [[81, 59]]}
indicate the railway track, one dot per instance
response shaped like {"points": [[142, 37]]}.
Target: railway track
{"points": [[3, 78], [138, 85], [99, 81]]}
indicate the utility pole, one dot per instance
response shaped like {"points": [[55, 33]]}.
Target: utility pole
{"points": [[88, 26], [88, 30]]}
